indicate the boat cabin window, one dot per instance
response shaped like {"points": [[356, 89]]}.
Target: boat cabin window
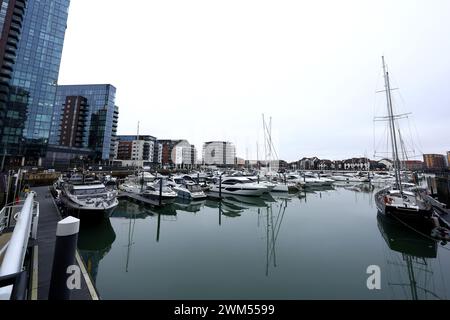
{"points": [[194, 188], [80, 192]]}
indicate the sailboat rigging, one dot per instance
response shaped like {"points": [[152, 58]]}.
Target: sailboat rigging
{"points": [[397, 200]]}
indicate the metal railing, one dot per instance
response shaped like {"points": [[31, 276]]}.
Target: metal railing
{"points": [[23, 216]]}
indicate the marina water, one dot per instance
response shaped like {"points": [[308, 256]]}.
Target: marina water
{"points": [[311, 245]]}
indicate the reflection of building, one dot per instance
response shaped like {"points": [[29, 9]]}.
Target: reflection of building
{"points": [[30, 48], [221, 153], [434, 161], [101, 117]]}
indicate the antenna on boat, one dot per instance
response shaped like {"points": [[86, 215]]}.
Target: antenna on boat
{"points": [[392, 127]]}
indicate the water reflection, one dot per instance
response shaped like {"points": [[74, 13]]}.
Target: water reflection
{"points": [[270, 247], [416, 251], [94, 242], [273, 226]]}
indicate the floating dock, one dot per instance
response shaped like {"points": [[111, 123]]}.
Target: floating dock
{"points": [[44, 248]]}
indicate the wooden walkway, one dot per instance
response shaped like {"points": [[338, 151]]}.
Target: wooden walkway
{"points": [[45, 245]]}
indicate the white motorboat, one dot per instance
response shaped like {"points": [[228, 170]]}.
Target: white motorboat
{"points": [[88, 196], [310, 180], [239, 186], [348, 177], [154, 191], [186, 189], [269, 185], [131, 187]]}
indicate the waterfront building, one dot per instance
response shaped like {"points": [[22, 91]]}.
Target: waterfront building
{"points": [[448, 159], [184, 154], [434, 161], [177, 153], [220, 153], [413, 165], [326, 164], [30, 54], [142, 148], [101, 118], [308, 163], [385, 164], [358, 164], [73, 122]]}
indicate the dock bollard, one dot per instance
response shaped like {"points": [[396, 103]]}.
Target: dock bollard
{"points": [[64, 257], [220, 186], [160, 191]]}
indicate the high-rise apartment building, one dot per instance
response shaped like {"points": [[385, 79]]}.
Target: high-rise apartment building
{"points": [[101, 117], [31, 47], [143, 148], [73, 122], [221, 153]]}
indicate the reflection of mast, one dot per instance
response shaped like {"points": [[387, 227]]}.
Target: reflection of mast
{"points": [[130, 240], [415, 251], [272, 231], [410, 260]]}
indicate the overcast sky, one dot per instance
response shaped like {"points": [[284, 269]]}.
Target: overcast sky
{"points": [[207, 70]]}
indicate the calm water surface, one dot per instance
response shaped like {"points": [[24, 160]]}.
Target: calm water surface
{"points": [[314, 245]]}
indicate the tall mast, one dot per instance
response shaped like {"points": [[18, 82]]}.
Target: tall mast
{"points": [[392, 127]]}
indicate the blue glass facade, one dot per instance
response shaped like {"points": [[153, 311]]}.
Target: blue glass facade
{"points": [[34, 78], [101, 121]]}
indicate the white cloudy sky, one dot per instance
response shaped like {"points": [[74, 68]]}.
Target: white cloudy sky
{"points": [[207, 70]]}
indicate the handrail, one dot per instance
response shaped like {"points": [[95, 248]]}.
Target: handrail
{"points": [[15, 254]]}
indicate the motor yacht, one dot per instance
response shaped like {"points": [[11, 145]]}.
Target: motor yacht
{"points": [[91, 196], [155, 190], [239, 186]]}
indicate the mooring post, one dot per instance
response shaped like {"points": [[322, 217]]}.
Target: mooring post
{"points": [[160, 191], [63, 258], [220, 186]]}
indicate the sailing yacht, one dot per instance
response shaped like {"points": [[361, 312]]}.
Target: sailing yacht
{"points": [[396, 200]]}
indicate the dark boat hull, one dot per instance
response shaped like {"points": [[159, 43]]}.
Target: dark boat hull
{"points": [[411, 216]]}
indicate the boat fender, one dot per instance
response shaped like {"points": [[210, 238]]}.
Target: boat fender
{"points": [[387, 200], [441, 233]]}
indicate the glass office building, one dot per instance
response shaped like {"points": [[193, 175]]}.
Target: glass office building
{"points": [[101, 119], [32, 87]]}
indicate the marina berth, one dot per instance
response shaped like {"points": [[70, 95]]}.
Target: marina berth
{"points": [[160, 190], [186, 189], [239, 186]]}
